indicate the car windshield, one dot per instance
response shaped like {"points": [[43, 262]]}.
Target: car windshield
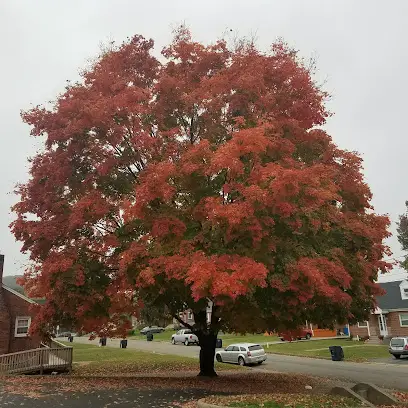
{"points": [[397, 342], [187, 331], [254, 348]]}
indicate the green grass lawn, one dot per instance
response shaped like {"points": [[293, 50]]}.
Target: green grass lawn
{"points": [[353, 351], [93, 360], [227, 338], [283, 401]]}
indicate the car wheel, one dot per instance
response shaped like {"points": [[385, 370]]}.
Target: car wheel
{"points": [[397, 356], [173, 341], [241, 361], [260, 362], [308, 336], [218, 358], [186, 343]]}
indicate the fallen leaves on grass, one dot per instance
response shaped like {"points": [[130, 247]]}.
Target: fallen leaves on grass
{"points": [[129, 368], [247, 383], [401, 396], [283, 401]]}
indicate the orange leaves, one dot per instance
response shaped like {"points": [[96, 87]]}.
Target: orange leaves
{"points": [[165, 226], [224, 276], [202, 175], [320, 275]]}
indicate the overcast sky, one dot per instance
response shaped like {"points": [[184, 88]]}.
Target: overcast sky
{"points": [[360, 47]]}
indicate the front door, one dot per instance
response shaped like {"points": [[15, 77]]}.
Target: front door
{"points": [[382, 324]]}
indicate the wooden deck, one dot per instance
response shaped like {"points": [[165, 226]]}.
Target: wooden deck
{"points": [[52, 357]]}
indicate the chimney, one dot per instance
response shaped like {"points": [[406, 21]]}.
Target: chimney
{"points": [[1, 268]]}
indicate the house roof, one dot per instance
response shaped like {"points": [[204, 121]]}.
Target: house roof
{"points": [[14, 292], [392, 298]]}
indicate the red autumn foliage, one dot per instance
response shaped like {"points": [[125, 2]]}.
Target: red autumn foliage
{"points": [[203, 176]]}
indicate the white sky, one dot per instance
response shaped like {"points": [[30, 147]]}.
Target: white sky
{"points": [[359, 46]]}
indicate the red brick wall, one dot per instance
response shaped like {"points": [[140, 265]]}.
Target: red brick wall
{"points": [[394, 325], [363, 331], [4, 316], [18, 308]]}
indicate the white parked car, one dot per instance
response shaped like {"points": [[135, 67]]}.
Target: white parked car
{"points": [[242, 354], [398, 347], [185, 336]]}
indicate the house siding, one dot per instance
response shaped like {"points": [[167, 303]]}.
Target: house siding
{"points": [[393, 326], [11, 307], [4, 315], [4, 324], [18, 308]]}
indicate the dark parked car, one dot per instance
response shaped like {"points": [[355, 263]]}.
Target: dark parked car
{"points": [[152, 329]]}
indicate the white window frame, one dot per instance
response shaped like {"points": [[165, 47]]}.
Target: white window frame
{"points": [[400, 319], [190, 315], [403, 287], [16, 326], [362, 327]]}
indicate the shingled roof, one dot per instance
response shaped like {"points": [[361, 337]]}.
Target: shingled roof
{"points": [[392, 298]]}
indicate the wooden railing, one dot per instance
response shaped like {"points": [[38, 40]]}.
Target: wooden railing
{"points": [[37, 360]]}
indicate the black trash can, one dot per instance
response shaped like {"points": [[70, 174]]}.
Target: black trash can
{"points": [[149, 336], [218, 343], [123, 343], [70, 339], [102, 341], [337, 353]]}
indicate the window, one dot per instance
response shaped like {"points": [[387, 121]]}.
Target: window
{"points": [[255, 348], [22, 326], [404, 289], [235, 348], [229, 348], [190, 316], [403, 319], [362, 324], [242, 348]]}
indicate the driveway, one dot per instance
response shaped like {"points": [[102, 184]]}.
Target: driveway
{"points": [[129, 398], [388, 373]]}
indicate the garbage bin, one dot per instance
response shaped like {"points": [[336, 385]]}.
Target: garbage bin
{"points": [[218, 343], [149, 336], [102, 341], [346, 331], [337, 353], [123, 343]]}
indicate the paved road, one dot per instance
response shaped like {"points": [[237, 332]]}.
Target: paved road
{"points": [[389, 373]]}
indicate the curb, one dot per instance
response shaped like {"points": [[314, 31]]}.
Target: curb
{"points": [[202, 404]]}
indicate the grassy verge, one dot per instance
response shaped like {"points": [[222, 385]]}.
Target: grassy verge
{"points": [[353, 351], [284, 401], [94, 360]]}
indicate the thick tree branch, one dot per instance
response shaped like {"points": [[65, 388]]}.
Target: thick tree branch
{"points": [[183, 322]]}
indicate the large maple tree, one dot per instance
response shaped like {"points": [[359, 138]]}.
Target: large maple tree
{"points": [[203, 178]]}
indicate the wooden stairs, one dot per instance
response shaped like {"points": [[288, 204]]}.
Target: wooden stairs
{"points": [[50, 357]]}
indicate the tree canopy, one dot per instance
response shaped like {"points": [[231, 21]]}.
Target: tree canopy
{"points": [[201, 177]]}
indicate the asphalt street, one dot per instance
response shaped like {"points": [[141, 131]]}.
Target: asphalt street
{"points": [[387, 373]]}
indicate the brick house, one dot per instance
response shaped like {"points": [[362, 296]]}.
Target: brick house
{"points": [[390, 318], [15, 319]]}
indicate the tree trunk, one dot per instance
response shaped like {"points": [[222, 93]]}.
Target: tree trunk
{"points": [[207, 354]]}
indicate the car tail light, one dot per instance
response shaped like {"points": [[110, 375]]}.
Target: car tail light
{"points": [[191, 337], [249, 354], [406, 347]]}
